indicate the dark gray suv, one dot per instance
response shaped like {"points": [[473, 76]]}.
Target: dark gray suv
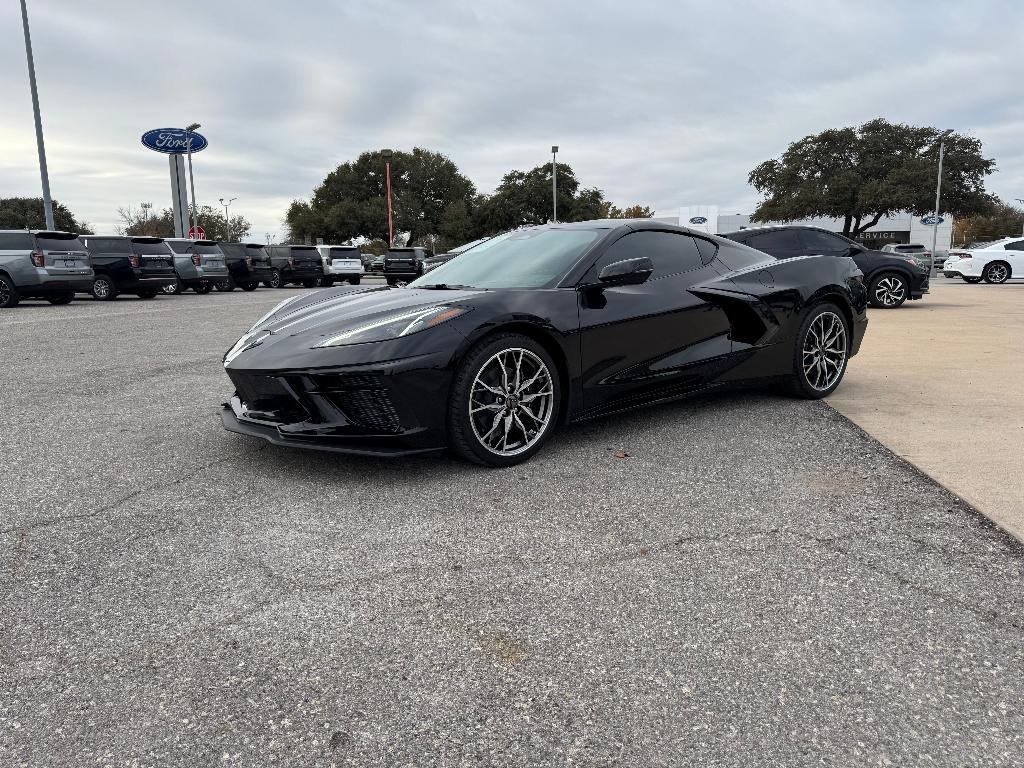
{"points": [[44, 265]]}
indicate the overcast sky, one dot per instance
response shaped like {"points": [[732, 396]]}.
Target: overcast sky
{"points": [[663, 104]]}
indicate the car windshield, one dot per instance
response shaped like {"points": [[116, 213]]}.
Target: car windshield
{"points": [[531, 258]]}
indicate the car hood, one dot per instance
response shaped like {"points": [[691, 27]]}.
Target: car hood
{"points": [[330, 312]]}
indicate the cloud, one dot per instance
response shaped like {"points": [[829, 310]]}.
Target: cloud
{"points": [[657, 103]]}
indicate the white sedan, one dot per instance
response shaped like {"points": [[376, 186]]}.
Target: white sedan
{"points": [[994, 262]]}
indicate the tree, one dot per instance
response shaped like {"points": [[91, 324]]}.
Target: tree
{"points": [[429, 196], [29, 213], [137, 222], [862, 174], [523, 198], [610, 211], [1004, 220]]}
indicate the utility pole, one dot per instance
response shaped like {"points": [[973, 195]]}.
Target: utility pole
{"points": [[47, 201], [1021, 201], [554, 185]]}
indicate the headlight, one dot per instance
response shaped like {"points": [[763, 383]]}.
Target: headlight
{"points": [[395, 326]]}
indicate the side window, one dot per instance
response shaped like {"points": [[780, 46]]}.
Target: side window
{"points": [[16, 241], [106, 245], [822, 242], [671, 253], [1017, 246], [707, 249], [775, 240]]}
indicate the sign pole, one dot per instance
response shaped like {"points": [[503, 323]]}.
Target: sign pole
{"points": [[47, 201]]}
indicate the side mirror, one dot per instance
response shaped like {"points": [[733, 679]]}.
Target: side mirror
{"points": [[627, 272]]}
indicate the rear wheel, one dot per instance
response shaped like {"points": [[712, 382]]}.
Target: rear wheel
{"points": [[202, 288], [888, 291], [174, 288], [62, 298], [997, 272], [275, 281], [354, 280], [103, 288], [504, 403], [821, 352], [9, 296], [225, 286]]}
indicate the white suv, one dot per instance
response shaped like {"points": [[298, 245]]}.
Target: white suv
{"points": [[341, 262], [994, 262]]}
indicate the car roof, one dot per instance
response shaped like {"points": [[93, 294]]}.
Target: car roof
{"points": [[40, 232], [189, 240], [762, 227]]}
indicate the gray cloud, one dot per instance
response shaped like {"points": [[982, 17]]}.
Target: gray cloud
{"points": [[658, 103]]}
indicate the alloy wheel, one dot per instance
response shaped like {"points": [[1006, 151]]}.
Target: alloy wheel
{"points": [[997, 273], [890, 291], [824, 351], [101, 288], [511, 401]]}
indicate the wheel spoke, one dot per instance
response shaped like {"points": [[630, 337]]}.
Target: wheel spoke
{"points": [[511, 401]]}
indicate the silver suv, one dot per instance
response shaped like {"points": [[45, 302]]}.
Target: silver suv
{"points": [[42, 264], [198, 263]]}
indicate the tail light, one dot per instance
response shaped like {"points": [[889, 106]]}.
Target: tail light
{"points": [[135, 260], [38, 259], [248, 261], [195, 259], [928, 254]]}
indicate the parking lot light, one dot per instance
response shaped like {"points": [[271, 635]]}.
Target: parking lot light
{"points": [[227, 220], [938, 195], [47, 201], [387, 154], [554, 185]]}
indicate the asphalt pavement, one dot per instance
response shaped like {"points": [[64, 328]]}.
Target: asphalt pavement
{"points": [[736, 580]]}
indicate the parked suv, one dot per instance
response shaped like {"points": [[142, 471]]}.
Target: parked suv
{"points": [[248, 266], [404, 264], [891, 279], [341, 262], [294, 264], [198, 263], [139, 265], [44, 265], [921, 255]]}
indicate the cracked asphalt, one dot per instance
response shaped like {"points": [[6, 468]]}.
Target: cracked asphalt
{"points": [[758, 583]]}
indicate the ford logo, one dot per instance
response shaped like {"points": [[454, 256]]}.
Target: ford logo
{"points": [[698, 220], [173, 141], [930, 221]]}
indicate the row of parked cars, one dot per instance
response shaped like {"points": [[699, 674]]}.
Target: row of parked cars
{"points": [[57, 265]]}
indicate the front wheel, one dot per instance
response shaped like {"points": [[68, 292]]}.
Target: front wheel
{"points": [[103, 288], [173, 289], [61, 298], [505, 400], [225, 286], [275, 281], [888, 291], [997, 272], [821, 353]]}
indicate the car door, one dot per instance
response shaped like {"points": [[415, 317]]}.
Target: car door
{"points": [[642, 342], [1015, 257]]}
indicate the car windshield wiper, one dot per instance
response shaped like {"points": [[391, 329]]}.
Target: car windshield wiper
{"points": [[443, 287]]}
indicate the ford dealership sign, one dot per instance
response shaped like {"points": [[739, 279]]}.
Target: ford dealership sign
{"points": [[173, 141], [699, 220], [929, 221]]}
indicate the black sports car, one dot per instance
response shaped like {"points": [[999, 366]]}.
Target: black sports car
{"points": [[488, 352]]}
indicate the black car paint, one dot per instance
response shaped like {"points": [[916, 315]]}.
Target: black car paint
{"points": [[871, 262], [237, 255], [152, 274], [296, 263], [405, 264], [732, 321]]}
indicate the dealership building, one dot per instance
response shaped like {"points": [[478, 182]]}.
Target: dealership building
{"points": [[901, 228]]}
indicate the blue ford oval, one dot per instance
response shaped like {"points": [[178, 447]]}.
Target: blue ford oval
{"points": [[173, 141]]}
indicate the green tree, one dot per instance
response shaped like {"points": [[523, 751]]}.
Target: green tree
{"points": [[29, 213], [611, 211], [1004, 220], [137, 222], [862, 174], [429, 196], [523, 198]]}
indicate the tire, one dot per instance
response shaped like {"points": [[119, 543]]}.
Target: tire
{"points": [[275, 281], [888, 290], [225, 286], [173, 289], [103, 288], [309, 283], [9, 296], [972, 280], [202, 288], [62, 298], [996, 272], [354, 280], [250, 286], [392, 280], [806, 383], [146, 294], [472, 435], [326, 282]]}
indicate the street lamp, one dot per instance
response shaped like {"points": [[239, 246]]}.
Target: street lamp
{"points": [[387, 154], [227, 221], [146, 207], [191, 181], [938, 194], [554, 185], [47, 202]]}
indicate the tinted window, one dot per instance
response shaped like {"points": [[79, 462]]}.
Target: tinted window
{"points": [[670, 253], [108, 245], [776, 240], [16, 241], [822, 242], [60, 243], [1017, 246], [234, 250], [707, 249], [215, 249], [909, 248], [181, 246], [345, 253], [738, 257], [149, 248]]}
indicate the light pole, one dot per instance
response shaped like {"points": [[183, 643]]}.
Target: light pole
{"points": [[938, 195], [191, 181], [554, 185], [227, 221], [145, 210], [47, 202], [387, 154]]}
